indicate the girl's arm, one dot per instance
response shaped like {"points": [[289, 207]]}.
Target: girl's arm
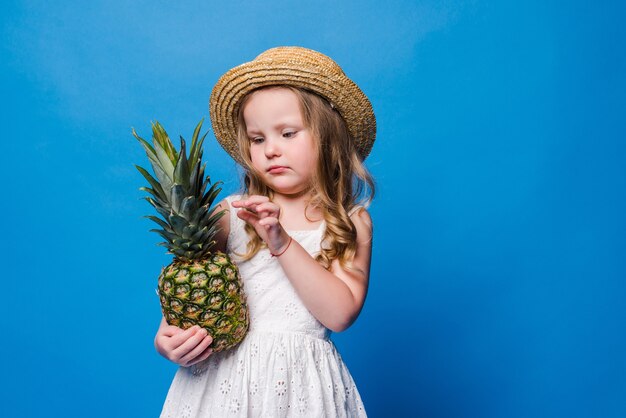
{"points": [[224, 226], [191, 346], [334, 297]]}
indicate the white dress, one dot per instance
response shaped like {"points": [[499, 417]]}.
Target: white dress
{"points": [[286, 366]]}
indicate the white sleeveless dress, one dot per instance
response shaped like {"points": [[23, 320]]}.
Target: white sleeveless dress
{"points": [[286, 366]]}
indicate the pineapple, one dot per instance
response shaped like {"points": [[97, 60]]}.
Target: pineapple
{"points": [[200, 287]]}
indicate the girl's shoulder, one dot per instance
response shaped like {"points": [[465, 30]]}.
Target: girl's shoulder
{"points": [[359, 208], [361, 218]]}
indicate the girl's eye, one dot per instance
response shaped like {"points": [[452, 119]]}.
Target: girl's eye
{"points": [[256, 140], [290, 134]]}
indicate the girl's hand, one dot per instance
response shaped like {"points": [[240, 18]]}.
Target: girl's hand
{"points": [[183, 347], [263, 215]]}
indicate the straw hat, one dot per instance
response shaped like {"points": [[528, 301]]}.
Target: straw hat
{"points": [[298, 67]]}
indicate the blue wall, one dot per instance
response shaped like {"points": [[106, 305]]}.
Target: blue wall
{"points": [[498, 278]]}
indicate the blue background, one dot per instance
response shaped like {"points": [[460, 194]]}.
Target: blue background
{"points": [[498, 277]]}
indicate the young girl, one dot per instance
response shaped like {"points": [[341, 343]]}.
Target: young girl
{"points": [[302, 242]]}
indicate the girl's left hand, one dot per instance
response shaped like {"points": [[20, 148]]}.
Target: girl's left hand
{"points": [[263, 215]]}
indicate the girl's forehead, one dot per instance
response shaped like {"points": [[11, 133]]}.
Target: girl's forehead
{"points": [[272, 104], [272, 93]]}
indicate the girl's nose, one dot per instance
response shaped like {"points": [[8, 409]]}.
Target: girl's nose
{"points": [[272, 149]]}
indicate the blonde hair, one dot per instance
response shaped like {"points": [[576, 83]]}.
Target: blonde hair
{"points": [[340, 181]]}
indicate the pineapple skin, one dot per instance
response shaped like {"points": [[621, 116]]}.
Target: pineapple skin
{"points": [[208, 293]]}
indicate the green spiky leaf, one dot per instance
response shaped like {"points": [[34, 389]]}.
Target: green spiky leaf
{"points": [[167, 235], [178, 223], [181, 170], [158, 221], [163, 140], [162, 211], [153, 182], [188, 207], [176, 197], [180, 192], [149, 150], [164, 162], [212, 193]]}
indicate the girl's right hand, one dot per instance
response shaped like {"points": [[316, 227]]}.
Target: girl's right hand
{"points": [[183, 347]]}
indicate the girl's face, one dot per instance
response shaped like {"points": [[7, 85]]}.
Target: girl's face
{"points": [[282, 149]]}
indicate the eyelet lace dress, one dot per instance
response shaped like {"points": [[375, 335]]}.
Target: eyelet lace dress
{"points": [[286, 366]]}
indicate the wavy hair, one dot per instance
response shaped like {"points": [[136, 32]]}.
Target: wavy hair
{"points": [[340, 182]]}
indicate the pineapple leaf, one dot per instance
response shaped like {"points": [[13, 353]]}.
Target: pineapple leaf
{"points": [[181, 243], [181, 194], [215, 216], [188, 231], [163, 178], [200, 149], [208, 236], [211, 220], [193, 181], [204, 221], [159, 221], [146, 145], [153, 182], [181, 171], [167, 235], [161, 137], [177, 196], [197, 237], [178, 223], [194, 143], [163, 160], [197, 154], [155, 195], [158, 203], [201, 185], [156, 166], [162, 211], [188, 207], [210, 196], [199, 214]]}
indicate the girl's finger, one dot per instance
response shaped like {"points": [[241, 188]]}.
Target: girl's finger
{"points": [[247, 207], [202, 357], [267, 207], [189, 358], [189, 345], [180, 338], [251, 201], [248, 216], [170, 331], [269, 221], [256, 199]]}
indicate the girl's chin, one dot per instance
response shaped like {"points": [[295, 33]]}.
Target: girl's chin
{"points": [[290, 191]]}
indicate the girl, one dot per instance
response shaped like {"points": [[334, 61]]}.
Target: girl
{"points": [[300, 129]]}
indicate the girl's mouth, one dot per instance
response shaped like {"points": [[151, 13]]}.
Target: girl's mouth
{"points": [[276, 169]]}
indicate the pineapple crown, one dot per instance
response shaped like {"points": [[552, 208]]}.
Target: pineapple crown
{"points": [[179, 194]]}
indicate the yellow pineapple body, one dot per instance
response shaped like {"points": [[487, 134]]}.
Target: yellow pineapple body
{"points": [[208, 293]]}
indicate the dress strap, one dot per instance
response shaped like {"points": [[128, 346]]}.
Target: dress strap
{"points": [[355, 209], [231, 211]]}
